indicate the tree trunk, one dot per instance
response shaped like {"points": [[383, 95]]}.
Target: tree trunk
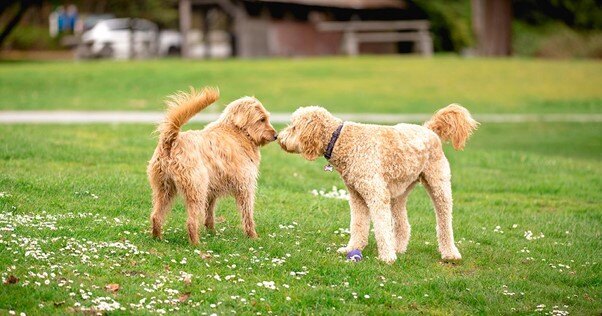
{"points": [[185, 11], [206, 30], [131, 29], [491, 20]]}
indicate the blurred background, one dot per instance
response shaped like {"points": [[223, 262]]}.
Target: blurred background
{"points": [[123, 29]]}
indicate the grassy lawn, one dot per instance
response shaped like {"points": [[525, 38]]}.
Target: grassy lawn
{"points": [[75, 203], [367, 84], [74, 200]]}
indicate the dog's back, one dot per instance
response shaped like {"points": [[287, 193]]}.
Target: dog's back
{"points": [[225, 158]]}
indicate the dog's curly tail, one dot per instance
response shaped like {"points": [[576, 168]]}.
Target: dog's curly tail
{"points": [[454, 123], [181, 107]]}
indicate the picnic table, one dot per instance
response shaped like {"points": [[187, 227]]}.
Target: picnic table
{"points": [[357, 32]]}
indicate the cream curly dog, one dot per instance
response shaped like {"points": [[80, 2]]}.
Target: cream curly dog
{"points": [[205, 165], [380, 165]]}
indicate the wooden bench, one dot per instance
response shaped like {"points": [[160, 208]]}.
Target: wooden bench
{"points": [[356, 32]]}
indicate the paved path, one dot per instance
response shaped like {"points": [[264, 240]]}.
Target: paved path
{"points": [[75, 117]]}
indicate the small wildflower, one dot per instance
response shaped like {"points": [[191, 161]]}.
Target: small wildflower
{"points": [[333, 194]]}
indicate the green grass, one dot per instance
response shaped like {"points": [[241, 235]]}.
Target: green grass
{"points": [[367, 84], [543, 178], [74, 200]]}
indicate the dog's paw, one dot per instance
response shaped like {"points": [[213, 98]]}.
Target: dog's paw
{"points": [[156, 233], [252, 235], [387, 258], [344, 250], [451, 255], [211, 231], [401, 249], [210, 228]]}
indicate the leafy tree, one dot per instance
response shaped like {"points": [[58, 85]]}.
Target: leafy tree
{"points": [[162, 12], [450, 23], [580, 14]]}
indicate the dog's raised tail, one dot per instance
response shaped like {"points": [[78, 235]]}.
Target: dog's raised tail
{"points": [[453, 123], [182, 106]]}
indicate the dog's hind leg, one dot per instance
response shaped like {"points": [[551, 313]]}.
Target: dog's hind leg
{"points": [[210, 214], [245, 201], [164, 190], [437, 181], [193, 187], [400, 217], [359, 227]]}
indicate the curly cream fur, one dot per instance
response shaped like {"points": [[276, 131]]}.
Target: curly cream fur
{"points": [[380, 165], [222, 159]]}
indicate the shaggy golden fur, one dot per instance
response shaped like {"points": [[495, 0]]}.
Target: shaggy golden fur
{"points": [[380, 165], [205, 165]]}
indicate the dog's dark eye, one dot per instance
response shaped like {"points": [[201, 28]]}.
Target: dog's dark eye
{"points": [[262, 120]]}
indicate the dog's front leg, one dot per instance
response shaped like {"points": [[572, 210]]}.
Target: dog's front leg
{"points": [[245, 201], [359, 227], [379, 203]]}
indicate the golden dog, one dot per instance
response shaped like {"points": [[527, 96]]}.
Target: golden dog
{"points": [[205, 165]]}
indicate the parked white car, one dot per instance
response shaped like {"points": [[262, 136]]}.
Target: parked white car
{"points": [[170, 43], [112, 39]]}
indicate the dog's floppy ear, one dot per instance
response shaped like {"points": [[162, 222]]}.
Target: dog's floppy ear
{"points": [[240, 116], [311, 139]]}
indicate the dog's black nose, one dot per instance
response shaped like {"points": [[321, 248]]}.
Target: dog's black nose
{"points": [[276, 136]]}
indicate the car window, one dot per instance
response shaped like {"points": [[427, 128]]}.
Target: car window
{"points": [[143, 25], [119, 24]]}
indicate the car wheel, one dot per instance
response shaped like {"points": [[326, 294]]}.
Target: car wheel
{"points": [[173, 51], [106, 51]]}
